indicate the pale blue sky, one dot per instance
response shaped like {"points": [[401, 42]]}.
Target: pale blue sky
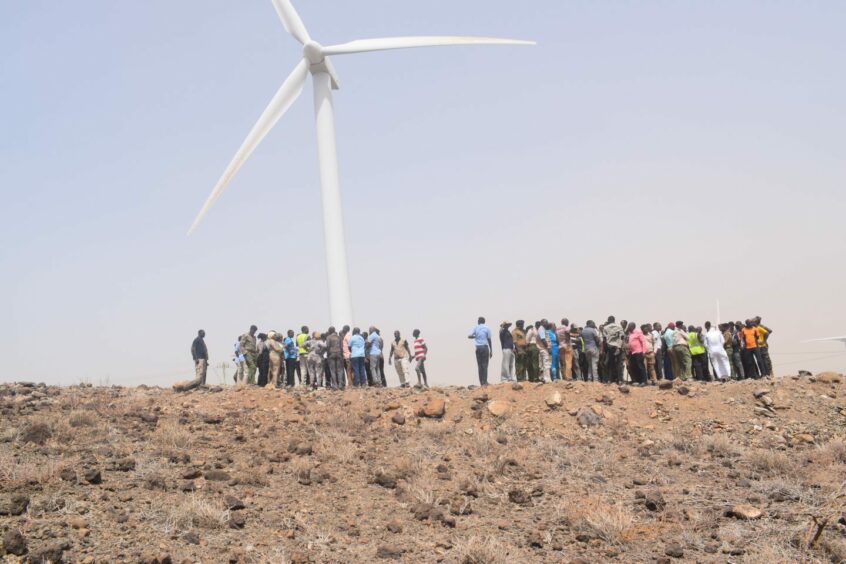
{"points": [[645, 159]]}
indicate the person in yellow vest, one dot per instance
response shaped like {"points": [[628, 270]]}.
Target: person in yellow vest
{"points": [[302, 359], [698, 358]]}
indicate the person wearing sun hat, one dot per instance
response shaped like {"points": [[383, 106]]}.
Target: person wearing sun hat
{"points": [[507, 342]]}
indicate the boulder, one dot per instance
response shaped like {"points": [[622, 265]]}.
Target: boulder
{"points": [[587, 418], [434, 408], [13, 504], [186, 385], [499, 408], [554, 401], [829, 378], [398, 418], [665, 385], [745, 512], [14, 543]]}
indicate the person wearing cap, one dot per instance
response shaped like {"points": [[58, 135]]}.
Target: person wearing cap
{"points": [[247, 343], [520, 350], [506, 340]]}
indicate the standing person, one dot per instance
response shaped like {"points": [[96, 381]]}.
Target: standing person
{"points": [[544, 357], [566, 348], [520, 353], [401, 352], [200, 354], [292, 356], [240, 364], [481, 336], [681, 350], [421, 350], [375, 342], [249, 348], [715, 344], [277, 354], [659, 350], [577, 346], [650, 357], [764, 333], [506, 341], [732, 335], [357, 358], [262, 359], [532, 353], [752, 362], [345, 341], [613, 335], [316, 352], [367, 371], [637, 350], [671, 366], [590, 337], [554, 352], [302, 355], [335, 355], [698, 358]]}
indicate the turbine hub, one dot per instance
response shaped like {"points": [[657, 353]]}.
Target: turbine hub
{"points": [[313, 51]]}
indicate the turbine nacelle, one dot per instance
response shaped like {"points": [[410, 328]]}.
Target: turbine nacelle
{"points": [[313, 52]]}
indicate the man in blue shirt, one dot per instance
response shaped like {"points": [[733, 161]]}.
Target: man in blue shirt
{"points": [[375, 342], [481, 336], [291, 356], [357, 358]]}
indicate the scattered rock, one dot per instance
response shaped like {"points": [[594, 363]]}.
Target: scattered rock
{"points": [[554, 401], [389, 552], [191, 474], [587, 418], [52, 552], [68, 475], [683, 390], [191, 538], [654, 501], [232, 503], [498, 408], [124, 465], [93, 476], [14, 543], [434, 408], [665, 385], [216, 476], [516, 386], [624, 389], [398, 418], [384, 479], [829, 378], [36, 433], [519, 497], [394, 526], [745, 512], [237, 520], [13, 504], [674, 550], [186, 385]]}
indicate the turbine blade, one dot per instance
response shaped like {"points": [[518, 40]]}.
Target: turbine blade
{"points": [[386, 43], [284, 98], [291, 20]]}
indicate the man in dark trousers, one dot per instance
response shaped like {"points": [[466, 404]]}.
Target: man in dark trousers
{"points": [[200, 354], [481, 336]]}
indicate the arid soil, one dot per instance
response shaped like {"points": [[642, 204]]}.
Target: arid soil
{"points": [[567, 472]]}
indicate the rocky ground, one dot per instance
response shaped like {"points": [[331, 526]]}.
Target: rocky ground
{"points": [[567, 472]]}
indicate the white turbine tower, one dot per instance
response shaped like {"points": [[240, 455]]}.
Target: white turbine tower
{"points": [[316, 62]]}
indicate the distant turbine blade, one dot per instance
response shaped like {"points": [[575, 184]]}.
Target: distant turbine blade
{"points": [[384, 44], [284, 98], [291, 20]]}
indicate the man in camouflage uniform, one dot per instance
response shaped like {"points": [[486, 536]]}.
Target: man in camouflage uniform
{"points": [[249, 349]]}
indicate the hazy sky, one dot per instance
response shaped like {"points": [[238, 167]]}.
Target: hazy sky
{"points": [[645, 159]]}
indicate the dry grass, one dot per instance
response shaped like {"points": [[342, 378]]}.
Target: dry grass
{"points": [[24, 469], [481, 550], [194, 512], [719, 446], [82, 418], [597, 518], [769, 462], [170, 436]]}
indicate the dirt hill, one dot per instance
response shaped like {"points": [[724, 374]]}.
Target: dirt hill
{"points": [[566, 472]]}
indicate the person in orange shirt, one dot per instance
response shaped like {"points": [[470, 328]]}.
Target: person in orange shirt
{"points": [[752, 362]]}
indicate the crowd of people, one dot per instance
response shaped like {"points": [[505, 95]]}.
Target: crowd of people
{"points": [[618, 352], [329, 359], [611, 353]]}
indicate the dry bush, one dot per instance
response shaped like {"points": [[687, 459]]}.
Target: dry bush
{"points": [[22, 469], [170, 436], [611, 522], [478, 550], [408, 466], [686, 446], [833, 452], [769, 462], [720, 446], [481, 445], [252, 476], [420, 488], [196, 512], [82, 418]]}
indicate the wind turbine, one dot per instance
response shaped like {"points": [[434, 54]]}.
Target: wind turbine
{"points": [[317, 63]]}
